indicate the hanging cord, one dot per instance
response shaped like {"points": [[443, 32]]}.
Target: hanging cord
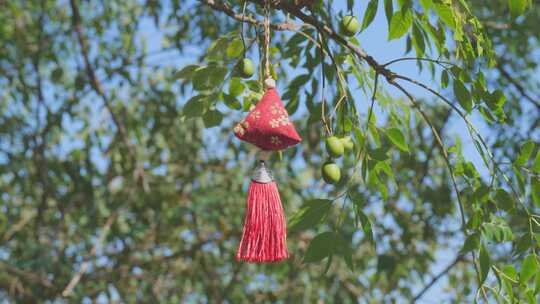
{"points": [[242, 29], [267, 38]]}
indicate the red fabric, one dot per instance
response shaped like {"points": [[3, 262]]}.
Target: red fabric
{"points": [[264, 238], [268, 126]]}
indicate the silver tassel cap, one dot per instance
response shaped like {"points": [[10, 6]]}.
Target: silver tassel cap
{"points": [[262, 174]]}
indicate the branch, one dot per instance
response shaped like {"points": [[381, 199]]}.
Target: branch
{"points": [[436, 278], [94, 81], [84, 266], [518, 86], [27, 276], [227, 9]]}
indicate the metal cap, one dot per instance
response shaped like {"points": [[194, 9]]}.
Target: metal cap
{"points": [[262, 174]]}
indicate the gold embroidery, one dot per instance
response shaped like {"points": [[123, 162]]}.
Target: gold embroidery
{"points": [[274, 123], [239, 129], [275, 140], [256, 114]]}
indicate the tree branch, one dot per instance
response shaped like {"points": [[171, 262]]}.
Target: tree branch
{"points": [[436, 278], [84, 266], [518, 86], [94, 81], [227, 9]]}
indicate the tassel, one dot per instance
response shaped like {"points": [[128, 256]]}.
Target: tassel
{"points": [[264, 238]]}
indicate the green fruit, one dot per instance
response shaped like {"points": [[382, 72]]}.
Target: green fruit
{"points": [[334, 147], [347, 143], [331, 173], [350, 25], [246, 68]]}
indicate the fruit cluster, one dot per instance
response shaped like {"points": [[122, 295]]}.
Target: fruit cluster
{"points": [[335, 147]]}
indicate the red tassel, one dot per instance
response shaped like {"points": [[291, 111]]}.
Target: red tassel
{"points": [[264, 238]]}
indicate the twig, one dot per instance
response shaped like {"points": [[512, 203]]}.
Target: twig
{"points": [[94, 81], [84, 266], [227, 9], [436, 278]]}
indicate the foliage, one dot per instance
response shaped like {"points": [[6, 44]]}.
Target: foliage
{"points": [[120, 179]]}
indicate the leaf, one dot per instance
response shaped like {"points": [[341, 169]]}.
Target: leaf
{"points": [[471, 243], [235, 48], [388, 9], [528, 269], [344, 249], [504, 200], [524, 153], [195, 106], [186, 72], [485, 264], [366, 226], [212, 118], [236, 87], [517, 7], [208, 78], [397, 138], [370, 13], [446, 14], [309, 215], [536, 164], [322, 246], [463, 95], [400, 24], [535, 190], [444, 79]]}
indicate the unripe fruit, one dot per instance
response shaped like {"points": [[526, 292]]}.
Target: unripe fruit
{"points": [[334, 147], [350, 25], [246, 68], [347, 143], [331, 173]]}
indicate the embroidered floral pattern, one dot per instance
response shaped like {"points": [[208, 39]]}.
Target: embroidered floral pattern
{"points": [[238, 129], [282, 120], [241, 127], [275, 140], [256, 114]]}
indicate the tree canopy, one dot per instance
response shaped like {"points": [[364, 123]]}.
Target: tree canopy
{"points": [[121, 181]]}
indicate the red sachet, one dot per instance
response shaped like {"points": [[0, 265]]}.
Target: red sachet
{"points": [[267, 126]]}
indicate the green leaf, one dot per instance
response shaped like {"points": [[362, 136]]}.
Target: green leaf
{"points": [[536, 164], [195, 106], [397, 138], [366, 226], [524, 153], [535, 190], [370, 13], [400, 24], [485, 264], [322, 246], [504, 200], [444, 79], [517, 7], [235, 48], [186, 72], [463, 95], [471, 243], [444, 11], [236, 87], [212, 118], [209, 77], [537, 283], [343, 248], [309, 215], [388, 10], [528, 269]]}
